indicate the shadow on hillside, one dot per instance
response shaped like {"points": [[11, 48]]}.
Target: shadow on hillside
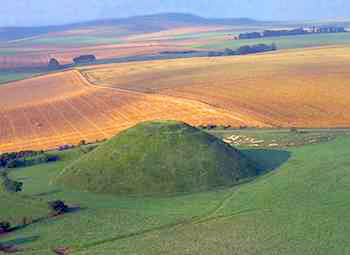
{"points": [[267, 160], [50, 218], [19, 241], [12, 245], [51, 192], [29, 222]]}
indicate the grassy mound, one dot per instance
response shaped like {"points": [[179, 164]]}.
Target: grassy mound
{"points": [[158, 157]]}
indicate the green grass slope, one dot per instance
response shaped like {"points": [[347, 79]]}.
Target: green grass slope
{"points": [[158, 157], [300, 208], [14, 207]]}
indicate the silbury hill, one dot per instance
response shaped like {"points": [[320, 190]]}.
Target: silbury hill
{"points": [[158, 158]]}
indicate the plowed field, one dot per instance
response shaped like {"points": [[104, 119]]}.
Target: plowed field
{"points": [[63, 108], [301, 88]]}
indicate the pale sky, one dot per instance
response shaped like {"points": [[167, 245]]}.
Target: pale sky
{"points": [[51, 12]]}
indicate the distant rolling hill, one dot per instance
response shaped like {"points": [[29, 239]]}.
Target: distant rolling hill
{"points": [[135, 24]]}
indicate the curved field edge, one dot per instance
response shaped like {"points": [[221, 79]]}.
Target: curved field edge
{"points": [[64, 108], [292, 88]]}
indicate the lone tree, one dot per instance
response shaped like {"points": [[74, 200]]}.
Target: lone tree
{"points": [[4, 227], [54, 64], [58, 207]]}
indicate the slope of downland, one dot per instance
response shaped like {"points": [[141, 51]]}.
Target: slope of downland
{"points": [[63, 108], [303, 88], [301, 208], [14, 207], [158, 158]]}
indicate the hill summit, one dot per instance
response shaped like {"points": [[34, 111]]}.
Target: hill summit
{"points": [[158, 157]]}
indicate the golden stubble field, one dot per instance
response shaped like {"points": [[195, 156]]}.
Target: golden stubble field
{"points": [[64, 108], [294, 88]]}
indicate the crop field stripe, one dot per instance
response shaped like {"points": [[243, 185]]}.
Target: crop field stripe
{"points": [[88, 84], [5, 128], [106, 106], [52, 127], [94, 107], [13, 129], [52, 105], [103, 102], [105, 119], [84, 117], [84, 78], [34, 133]]}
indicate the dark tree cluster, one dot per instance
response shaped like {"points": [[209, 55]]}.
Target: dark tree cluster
{"points": [[84, 59], [291, 32], [249, 49], [252, 35], [275, 33], [58, 207], [54, 64], [243, 50], [25, 158], [4, 227]]}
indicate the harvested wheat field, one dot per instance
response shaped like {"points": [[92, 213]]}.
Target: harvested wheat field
{"points": [[63, 108], [301, 88]]}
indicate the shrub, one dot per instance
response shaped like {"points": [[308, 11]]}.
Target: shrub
{"points": [[8, 184], [4, 226], [58, 207], [82, 142]]}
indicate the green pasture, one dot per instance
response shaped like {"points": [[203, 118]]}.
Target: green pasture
{"points": [[73, 40], [285, 42], [8, 75], [299, 206]]}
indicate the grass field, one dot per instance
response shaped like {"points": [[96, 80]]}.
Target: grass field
{"points": [[285, 42], [7, 76], [299, 207], [74, 40], [276, 138]]}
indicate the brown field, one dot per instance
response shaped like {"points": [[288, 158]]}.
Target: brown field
{"points": [[65, 56], [63, 108], [301, 88], [41, 56], [29, 54]]}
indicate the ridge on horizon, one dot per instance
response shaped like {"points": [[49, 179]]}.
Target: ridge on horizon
{"points": [[170, 15]]}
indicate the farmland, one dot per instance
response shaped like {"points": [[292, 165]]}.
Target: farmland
{"points": [[285, 42], [301, 88], [6, 76], [169, 143], [63, 108], [111, 40], [67, 107]]}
